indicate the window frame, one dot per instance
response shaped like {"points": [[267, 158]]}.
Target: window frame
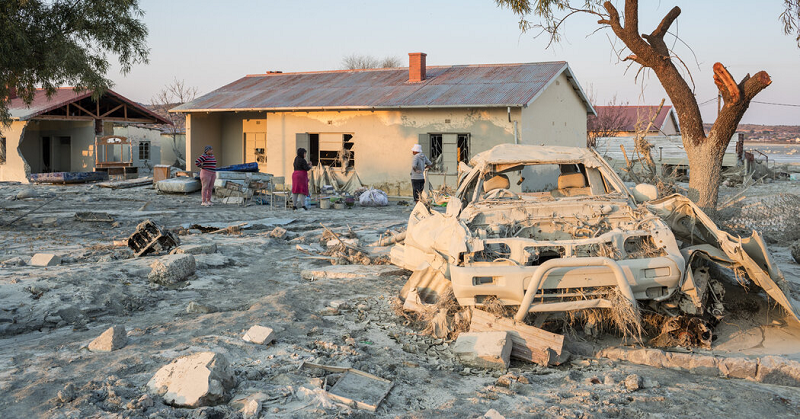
{"points": [[148, 150]]}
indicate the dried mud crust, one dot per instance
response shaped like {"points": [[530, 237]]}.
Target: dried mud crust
{"points": [[45, 370]]}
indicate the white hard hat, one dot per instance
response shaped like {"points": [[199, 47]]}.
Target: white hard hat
{"points": [[417, 148]]}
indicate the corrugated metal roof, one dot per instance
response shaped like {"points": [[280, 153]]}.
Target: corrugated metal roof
{"points": [[444, 86], [629, 116], [42, 104]]}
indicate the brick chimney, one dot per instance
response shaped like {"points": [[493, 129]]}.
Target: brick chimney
{"points": [[416, 66]]}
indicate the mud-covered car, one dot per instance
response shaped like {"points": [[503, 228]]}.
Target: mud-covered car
{"points": [[555, 229]]}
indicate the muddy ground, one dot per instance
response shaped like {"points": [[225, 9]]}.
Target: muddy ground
{"points": [[48, 316]]}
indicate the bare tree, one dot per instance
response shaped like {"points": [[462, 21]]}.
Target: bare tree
{"points": [[611, 119], [361, 62], [650, 51], [174, 94]]}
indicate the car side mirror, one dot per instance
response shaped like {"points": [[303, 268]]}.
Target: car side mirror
{"points": [[644, 192]]}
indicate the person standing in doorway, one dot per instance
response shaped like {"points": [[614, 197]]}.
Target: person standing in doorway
{"points": [[300, 180], [208, 166], [418, 165]]}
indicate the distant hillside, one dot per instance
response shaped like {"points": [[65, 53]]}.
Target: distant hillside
{"points": [[771, 133]]}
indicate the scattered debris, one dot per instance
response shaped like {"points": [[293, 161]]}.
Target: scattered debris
{"points": [[488, 350], [149, 238], [633, 382], [170, 269], [249, 405], [795, 250], [260, 335], [353, 387], [45, 259], [529, 343], [113, 338], [94, 217], [201, 379], [350, 272], [278, 233], [127, 183]]}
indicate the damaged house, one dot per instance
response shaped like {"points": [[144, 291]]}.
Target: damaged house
{"points": [[361, 124], [59, 133]]}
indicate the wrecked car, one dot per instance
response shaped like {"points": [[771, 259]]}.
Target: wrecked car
{"points": [[555, 229]]}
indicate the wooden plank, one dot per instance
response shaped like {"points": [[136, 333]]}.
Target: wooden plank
{"points": [[529, 343]]}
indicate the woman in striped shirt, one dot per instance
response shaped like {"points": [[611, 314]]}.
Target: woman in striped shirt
{"points": [[208, 165]]}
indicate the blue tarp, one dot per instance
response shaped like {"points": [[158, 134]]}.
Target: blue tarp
{"points": [[246, 167], [68, 177]]}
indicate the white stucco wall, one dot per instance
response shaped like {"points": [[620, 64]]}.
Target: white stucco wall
{"points": [[14, 168], [556, 117]]}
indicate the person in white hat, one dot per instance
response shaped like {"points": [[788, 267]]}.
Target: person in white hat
{"points": [[418, 165]]}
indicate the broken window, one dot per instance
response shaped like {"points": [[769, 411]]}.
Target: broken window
{"points": [[446, 150], [2, 150], [436, 151], [144, 150], [463, 147], [329, 149]]}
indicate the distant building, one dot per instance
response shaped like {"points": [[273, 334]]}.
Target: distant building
{"points": [[366, 121], [627, 119], [57, 133]]}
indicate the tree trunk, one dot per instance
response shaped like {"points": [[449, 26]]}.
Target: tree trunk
{"points": [[705, 165]]}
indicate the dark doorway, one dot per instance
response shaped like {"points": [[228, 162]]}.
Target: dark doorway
{"points": [[47, 149]]}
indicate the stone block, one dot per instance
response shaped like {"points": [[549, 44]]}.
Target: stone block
{"points": [[196, 249], [112, 339], [260, 335], [249, 405], [171, 269], [489, 350], [778, 370], [704, 365], [738, 367], [45, 259], [201, 379]]}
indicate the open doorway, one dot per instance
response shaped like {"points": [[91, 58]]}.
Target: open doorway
{"points": [[47, 152]]}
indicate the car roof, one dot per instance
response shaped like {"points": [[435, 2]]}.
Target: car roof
{"points": [[524, 153]]}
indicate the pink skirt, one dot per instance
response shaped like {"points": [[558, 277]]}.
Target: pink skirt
{"points": [[300, 182]]}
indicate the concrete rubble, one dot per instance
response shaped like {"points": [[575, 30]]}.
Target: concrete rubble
{"points": [[201, 379], [171, 269], [44, 259], [113, 338], [260, 335], [488, 350]]}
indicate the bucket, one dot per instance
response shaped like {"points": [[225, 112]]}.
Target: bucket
{"points": [[324, 204], [338, 205]]}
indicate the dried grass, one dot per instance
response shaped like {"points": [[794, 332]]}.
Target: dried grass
{"points": [[623, 318]]}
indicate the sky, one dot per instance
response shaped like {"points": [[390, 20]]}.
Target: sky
{"points": [[209, 44]]}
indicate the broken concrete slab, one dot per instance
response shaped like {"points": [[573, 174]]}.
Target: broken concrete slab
{"points": [[261, 335], [200, 379], [171, 269], [45, 259], [356, 388], [212, 261], [530, 343], [489, 350], [195, 249], [113, 338], [15, 261], [351, 272]]}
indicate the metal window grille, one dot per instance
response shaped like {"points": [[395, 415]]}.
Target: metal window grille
{"points": [[144, 150]]}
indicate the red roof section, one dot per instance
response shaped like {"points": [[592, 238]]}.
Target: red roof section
{"points": [[42, 104], [633, 114]]}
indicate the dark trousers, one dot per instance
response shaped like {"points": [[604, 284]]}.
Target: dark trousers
{"points": [[417, 185]]}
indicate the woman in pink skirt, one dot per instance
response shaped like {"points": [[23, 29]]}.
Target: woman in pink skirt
{"points": [[208, 165], [300, 180]]}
